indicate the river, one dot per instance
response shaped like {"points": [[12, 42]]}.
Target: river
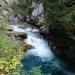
{"points": [[40, 54]]}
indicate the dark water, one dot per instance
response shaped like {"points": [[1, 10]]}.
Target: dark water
{"points": [[47, 67]]}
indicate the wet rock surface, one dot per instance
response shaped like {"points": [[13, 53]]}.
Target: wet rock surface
{"points": [[43, 30]]}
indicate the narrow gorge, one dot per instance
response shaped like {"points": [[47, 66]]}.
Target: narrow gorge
{"points": [[37, 37]]}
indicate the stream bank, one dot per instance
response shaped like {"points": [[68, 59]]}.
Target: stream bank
{"points": [[38, 52]]}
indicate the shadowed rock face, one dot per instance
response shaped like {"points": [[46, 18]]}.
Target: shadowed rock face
{"points": [[22, 36], [44, 30], [63, 46]]}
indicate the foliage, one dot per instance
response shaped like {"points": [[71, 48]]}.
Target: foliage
{"points": [[3, 24], [60, 14], [36, 71], [22, 7], [21, 10], [10, 55]]}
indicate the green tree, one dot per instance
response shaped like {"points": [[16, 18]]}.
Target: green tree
{"points": [[60, 14]]}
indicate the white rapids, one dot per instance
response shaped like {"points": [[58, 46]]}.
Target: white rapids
{"points": [[40, 47]]}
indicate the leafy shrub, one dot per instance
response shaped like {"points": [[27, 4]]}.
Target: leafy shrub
{"points": [[10, 55]]}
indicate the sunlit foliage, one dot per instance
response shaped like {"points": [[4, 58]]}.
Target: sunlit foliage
{"points": [[10, 55]]}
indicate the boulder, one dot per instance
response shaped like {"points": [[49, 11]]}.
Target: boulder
{"points": [[44, 30], [26, 46], [10, 29], [18, 35]]}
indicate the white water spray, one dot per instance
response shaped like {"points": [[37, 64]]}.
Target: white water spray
{"points": [[40, 47]]}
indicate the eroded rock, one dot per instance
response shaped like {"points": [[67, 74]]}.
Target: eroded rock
{"points": [[26, 46]]}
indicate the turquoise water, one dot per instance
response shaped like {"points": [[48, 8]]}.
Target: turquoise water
{"points": [[40, 55]]}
